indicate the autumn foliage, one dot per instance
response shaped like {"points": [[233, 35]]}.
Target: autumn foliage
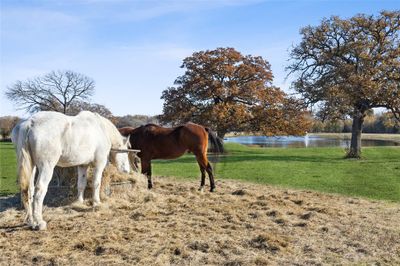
{"points": [[229, 91]]}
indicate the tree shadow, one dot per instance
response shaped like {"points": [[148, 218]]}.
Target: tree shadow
{"points": [[243, 156], [8, 147]]}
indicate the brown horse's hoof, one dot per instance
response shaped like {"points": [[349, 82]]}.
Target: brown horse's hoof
{"points": [[149, 186], [212, 189]]}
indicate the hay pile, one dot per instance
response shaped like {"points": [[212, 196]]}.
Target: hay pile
{"points": [[112, 175], [63, 187], [68, 176], [240, 224]]}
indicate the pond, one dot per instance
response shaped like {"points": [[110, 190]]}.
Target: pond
{"points": [[305, 141]]}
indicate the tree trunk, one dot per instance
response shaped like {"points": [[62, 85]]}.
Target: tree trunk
{"points": [[221, 133], [355, 145]]}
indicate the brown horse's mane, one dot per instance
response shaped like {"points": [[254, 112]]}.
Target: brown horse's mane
{"points": [[151, 124], [148, 129], [154, 128], [158, 126]]}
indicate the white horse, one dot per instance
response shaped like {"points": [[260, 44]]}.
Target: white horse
{"points": [[49, 139]]}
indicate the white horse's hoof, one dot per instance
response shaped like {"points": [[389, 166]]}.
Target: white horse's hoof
{"points": [[78, 203], [96, 204], [41, 226], [31, 225], [29, 221]]}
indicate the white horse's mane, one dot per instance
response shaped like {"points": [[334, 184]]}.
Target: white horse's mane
{"points": [[113, 133], [108, 127]]}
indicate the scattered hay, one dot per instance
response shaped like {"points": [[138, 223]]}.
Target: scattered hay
{"points": [[175, 224], [239, 192], [306, 216], [268, 244]]}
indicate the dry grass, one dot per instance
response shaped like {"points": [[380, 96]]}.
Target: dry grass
{"points": [[240, 224]]}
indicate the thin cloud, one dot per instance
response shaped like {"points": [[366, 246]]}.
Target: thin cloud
{"points": [[166, 51], [34, 23], [144, 10], [38, 17]]}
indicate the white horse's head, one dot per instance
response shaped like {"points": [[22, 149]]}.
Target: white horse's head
{"points": [[121, 159]]}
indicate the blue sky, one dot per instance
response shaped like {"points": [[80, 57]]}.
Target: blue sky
{"points": [[133, 49]]}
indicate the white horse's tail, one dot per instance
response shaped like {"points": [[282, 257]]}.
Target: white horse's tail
{"points": [[26, 169]]}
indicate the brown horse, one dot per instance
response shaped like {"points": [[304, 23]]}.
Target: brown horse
{"points": [[156, 142]]}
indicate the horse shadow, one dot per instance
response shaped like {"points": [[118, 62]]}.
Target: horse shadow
{"points": [[54, 198], [10, 202]]}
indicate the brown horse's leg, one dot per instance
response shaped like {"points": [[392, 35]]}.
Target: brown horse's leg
{"points": [[205, 166], [203, 178], [146, 170], [211, 176]]}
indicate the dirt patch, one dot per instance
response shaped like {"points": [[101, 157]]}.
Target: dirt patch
{"points": [[240, 224]]}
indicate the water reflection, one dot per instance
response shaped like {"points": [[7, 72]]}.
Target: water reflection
{"points": [[306, 141]]}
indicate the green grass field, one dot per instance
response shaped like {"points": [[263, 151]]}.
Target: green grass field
{"points": [[376, 176], [8, 172]]}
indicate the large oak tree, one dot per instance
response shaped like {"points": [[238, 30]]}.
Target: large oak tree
{"points": [[349, 66], [229, 91]]}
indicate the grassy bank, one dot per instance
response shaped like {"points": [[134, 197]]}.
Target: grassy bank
{"points": [[376, 176], [393, 137], [367, 136]]}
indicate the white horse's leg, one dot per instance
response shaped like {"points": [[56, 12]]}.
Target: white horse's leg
{"points": [[42, 183], [82, 181], [31, 191], [98, 171]]}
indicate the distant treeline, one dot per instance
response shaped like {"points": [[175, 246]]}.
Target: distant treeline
{"points": [[7, 123], [374, 123], [134, 120]]}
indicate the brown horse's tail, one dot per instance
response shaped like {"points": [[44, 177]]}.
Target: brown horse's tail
{"points": [[216, 144]]}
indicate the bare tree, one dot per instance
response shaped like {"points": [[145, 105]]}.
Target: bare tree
{"points": [[55, 91]]}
